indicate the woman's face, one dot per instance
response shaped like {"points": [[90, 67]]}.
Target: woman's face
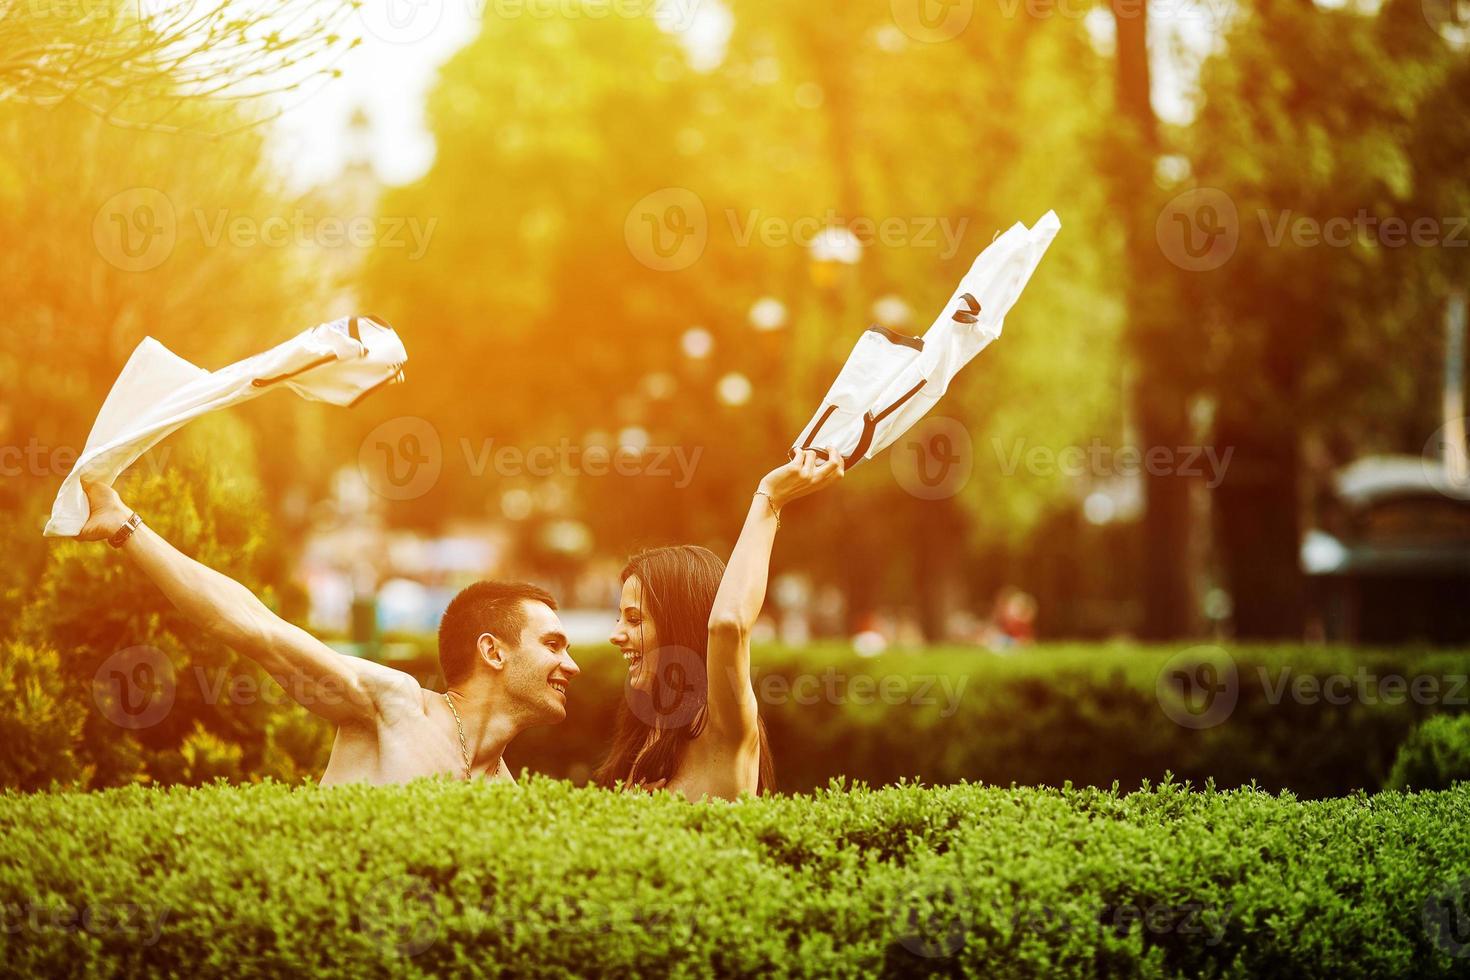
{"points": [[635, 634]]}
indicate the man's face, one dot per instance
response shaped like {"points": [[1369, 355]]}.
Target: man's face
{"points": [[539, 668]]}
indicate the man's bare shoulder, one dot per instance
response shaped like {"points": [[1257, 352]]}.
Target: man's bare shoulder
{"points": [[396, 693]]}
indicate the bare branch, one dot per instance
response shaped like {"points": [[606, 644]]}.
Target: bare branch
{"points": [[124, 62]]}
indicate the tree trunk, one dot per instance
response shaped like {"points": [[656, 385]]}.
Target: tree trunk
{"points": [[1257, 510], [1169, 602], [940, 579], [1158, 399]]}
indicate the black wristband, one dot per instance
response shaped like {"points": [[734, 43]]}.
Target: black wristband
{"points": [[121, 535]]}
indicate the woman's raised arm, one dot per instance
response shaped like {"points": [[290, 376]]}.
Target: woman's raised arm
{"points": [[742, 592]]}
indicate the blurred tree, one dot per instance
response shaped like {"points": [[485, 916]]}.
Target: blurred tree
{"points": [[536, 323], [993, 126], [113, 235], [558, 139], [1325, 119]]}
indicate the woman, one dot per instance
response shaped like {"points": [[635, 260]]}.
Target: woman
{"points": [[689, 722]]}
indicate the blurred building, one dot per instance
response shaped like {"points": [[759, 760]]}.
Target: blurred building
{"points": [[1391, 561]]}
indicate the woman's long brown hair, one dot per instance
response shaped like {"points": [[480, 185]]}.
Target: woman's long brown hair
{"points": [[679, 585]]}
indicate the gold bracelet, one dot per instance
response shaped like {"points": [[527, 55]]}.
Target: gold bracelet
{"points": [[771, 504]]}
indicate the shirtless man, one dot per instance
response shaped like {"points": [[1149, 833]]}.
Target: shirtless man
{"points": [[502, 650]]}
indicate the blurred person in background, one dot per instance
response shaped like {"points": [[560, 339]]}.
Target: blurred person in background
{"points": [[1012, 621]]}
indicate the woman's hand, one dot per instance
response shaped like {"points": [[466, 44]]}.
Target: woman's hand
{"points": [[108, 512], [805, 474]]}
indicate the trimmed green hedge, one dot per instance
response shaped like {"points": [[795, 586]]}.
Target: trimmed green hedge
{"points": [[1436, 755], [1090, 714], [444, 878], [1319, 722]]}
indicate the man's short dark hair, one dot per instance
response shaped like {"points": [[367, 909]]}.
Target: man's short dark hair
{"points": [[485, 607]]}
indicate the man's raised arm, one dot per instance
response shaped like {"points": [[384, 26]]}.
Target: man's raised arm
{"points": [[339, 688]]}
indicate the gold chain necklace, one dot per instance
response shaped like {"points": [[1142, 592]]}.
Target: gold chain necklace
{"points": [[464, 750]]}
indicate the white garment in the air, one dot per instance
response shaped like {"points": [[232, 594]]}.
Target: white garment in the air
{"points": [[158, 391], [891, 381]]}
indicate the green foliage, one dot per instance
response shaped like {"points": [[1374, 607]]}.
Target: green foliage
{"points": [[40, 727], [1436, 755], [1317, 113], [91, 606], [1085, 714], [441, 878], [547, 144]]}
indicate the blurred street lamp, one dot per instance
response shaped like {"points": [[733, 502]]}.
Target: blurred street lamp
{"points": [[892, 312], [549, 496], [1099, 508], [697, 343], [733, 389], [768, 313], [516, 504], [567, 537], [832, 250], [632, 439], [658, 385]]}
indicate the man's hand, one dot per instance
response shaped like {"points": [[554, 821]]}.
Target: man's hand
{"points": [[108, 512]]}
